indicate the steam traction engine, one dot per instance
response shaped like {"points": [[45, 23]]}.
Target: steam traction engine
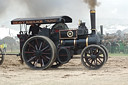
{"points": [[56, 46]]}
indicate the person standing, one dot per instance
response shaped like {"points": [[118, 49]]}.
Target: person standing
{"points": [[4, 47]]}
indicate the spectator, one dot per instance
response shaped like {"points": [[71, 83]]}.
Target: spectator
{"points": [[4, 47]]}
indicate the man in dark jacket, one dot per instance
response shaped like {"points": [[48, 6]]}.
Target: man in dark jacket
{"points": [[34, 29]]}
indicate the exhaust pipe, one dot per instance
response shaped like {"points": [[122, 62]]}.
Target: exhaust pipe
{"points": [[93, 22], [102, 35], [101, 29]]}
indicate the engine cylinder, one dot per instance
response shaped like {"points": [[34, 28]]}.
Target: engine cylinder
{"points": [[81, 43]]}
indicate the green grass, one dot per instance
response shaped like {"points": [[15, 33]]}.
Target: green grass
{"points": [[118, 54], [12, 52]]}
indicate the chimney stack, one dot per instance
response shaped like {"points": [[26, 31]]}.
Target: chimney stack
{"points": [[93, 22]]}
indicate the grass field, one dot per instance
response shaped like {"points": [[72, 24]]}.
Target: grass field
{"points": [[118, 54]]}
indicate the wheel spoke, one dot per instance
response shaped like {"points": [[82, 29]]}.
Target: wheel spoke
{"points": [[45, 48], [46, 53], [100, 60], [28, 52], [87, 57], [47, 57], [31, 59], [36, 47], [92, 61], [95, 63], [87, 52], [36, 63], [91, 51], [100, 57], [100, 53], [42, 62], [31, 45], [40, 46]]}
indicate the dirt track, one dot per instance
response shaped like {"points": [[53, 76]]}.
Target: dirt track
{"points": [[114, 72]]}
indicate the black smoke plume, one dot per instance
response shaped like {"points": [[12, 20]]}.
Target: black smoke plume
{"points": [[92, 3]]}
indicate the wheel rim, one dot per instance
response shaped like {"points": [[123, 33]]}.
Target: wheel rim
{"points": [[93, 57], [106, 51], [1, 57], [38, 53]]}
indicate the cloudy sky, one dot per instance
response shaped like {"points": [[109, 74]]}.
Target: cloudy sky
{"points": [[108, 12]]}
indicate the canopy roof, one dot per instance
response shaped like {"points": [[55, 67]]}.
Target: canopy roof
{"points": [[45, 20]]}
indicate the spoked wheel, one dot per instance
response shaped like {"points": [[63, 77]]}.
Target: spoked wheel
{"points": [[106, 51], [39, 52], [93, 57], [1, 57]]}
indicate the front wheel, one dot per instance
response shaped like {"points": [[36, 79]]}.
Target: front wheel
{"points": [[106, 51], [93, 57]]}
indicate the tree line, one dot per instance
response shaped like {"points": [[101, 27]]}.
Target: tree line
{"points": [[12, 44]]}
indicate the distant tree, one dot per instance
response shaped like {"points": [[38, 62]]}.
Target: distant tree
{"points": [[9, 40], [12, 44], [118, 32]]}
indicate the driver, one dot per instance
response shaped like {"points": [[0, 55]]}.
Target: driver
{"points": [[34, 29]]}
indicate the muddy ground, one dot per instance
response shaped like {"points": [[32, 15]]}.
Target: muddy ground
{"points": [[114, 72]]}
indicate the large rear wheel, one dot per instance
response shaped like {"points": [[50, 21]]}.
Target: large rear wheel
{"points": [[93, 57], [39, 52]]}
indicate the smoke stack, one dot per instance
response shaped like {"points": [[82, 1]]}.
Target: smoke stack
{"points": [[93, 22]]}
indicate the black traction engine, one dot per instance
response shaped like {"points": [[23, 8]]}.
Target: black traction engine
{"points": [[55, 46]]}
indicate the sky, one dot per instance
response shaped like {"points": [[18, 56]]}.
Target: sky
{"points": [[107, 13], [113, 10]]}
